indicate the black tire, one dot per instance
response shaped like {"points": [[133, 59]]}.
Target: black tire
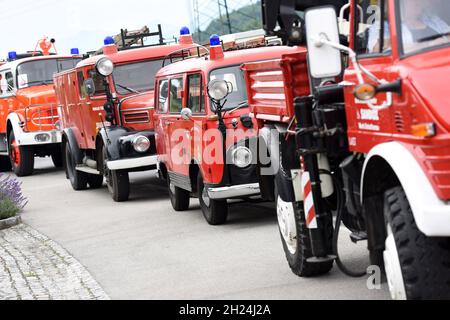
{"points": [[179, 198], [216, 212], [78, 179], [424, 261], [298, 260], [21, 158], [95, 181], [5, 164], [118, 181], [57, 158]]}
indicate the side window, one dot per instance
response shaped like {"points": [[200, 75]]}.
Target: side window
{"points": [[196, 100], [10, 82], [98, 81], [374, 30], [81, 88], [163, 96], [2, 84], [176, 95]]}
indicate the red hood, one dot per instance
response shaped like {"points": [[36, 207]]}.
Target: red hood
{"points": [[429, 73], [143, 100], [36, 95]]}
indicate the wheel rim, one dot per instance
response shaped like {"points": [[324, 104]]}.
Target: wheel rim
{"points": [[15, 153], [205, 198], [287, 223], [393, 268], [172, 187]]}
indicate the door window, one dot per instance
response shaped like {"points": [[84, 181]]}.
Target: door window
{"points": [[163, 96], [196, 100], [176, 95], [373, 36], [81, 88], [10, 82]]}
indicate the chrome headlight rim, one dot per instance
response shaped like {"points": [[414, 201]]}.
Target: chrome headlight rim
{"points": [[105, 67], [242, 151], [141, 144]]}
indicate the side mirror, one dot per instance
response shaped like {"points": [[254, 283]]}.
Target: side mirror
{"points": [[89, 87], [186, 114], [321, 25]]}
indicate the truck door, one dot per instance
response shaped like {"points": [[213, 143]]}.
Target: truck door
{"points": [[179, 130], [373, 45], [161, 121]]}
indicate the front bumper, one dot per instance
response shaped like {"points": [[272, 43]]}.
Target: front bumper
{"points": [[29, 138], [238, 191], [133, 163]]}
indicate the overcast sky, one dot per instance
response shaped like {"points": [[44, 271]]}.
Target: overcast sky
{"points": [[83, 23]]}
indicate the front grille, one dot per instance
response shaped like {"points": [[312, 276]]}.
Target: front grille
{"points": [[136, 117]]}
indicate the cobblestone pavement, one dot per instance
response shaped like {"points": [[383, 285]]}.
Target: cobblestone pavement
{"points": [[33, 267]]}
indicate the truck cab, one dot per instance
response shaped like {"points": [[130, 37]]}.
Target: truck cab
{"points": [[29, 121], [376, 113], [207, 142], [106, 109]]}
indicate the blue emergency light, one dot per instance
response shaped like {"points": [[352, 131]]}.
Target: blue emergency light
{"points": [[108, 41], [185, 31], [12, 55], [215, 40], [74, 51]]}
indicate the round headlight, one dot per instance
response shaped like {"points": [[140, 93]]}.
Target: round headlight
{"points": [[242, 157], [141, 144], [218, 89], [105, 67]]}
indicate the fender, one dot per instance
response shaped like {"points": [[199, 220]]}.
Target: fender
{"points": [[15, 121], [432, 215], [74, 147], [113, 134]]}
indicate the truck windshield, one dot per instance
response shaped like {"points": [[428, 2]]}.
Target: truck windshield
{"points": [[136, 77], [40, 72], [424, 24], [238, 97]]}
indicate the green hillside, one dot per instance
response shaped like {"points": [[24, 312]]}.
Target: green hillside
{"points": [[244, 19]]}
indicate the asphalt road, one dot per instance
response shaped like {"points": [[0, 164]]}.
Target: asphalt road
{"points": [[142, 249]]}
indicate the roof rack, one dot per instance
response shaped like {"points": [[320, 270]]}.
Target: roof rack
{"points": [[195, 51], [127, 39]]}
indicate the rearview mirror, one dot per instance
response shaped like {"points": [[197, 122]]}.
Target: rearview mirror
{"points": [[186, 114], [89, 87], [324, 60]]}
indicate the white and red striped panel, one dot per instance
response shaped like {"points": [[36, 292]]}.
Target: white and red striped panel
{"points": [[310, 211]]}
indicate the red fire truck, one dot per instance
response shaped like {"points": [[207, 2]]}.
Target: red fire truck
{"points": [[28, 113], [370, 141], [106, 106], [201, 115]]}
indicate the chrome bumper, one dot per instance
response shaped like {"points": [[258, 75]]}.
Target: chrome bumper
{"points": [[240, 191], [132, 163]]}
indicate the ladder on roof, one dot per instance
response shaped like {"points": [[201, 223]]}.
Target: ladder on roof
{"points": [[135, 38]]}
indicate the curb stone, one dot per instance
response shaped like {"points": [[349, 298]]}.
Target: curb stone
{"points": [[10, 222]]}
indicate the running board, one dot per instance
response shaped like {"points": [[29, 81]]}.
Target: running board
{"points": [[89, 170]]}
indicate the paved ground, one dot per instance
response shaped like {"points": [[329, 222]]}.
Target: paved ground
{"points": [[144, 250], [32, 267]]}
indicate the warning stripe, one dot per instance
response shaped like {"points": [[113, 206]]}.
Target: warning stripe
{"points": [[310, 211]]}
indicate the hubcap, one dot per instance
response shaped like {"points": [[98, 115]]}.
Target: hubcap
{"points": [[393, 268], [205, 198], [286, 221], [15, 153]]}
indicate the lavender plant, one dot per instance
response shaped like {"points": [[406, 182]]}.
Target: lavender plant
{"points": [[12, 200]]}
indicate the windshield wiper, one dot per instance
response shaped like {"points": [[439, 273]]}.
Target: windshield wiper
{"points": [[434, 37], [127, 88], [241, 105]]}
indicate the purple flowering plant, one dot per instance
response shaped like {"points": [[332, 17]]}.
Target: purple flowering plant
{"points": [[12, 201]]}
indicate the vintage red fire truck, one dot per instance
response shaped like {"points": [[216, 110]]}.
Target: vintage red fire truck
{"points": [[106, 106], [28, 113], [370, 141], [201, 115]]}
